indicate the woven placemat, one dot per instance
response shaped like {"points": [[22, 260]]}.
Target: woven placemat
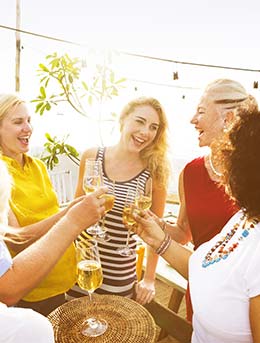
{"points": [[127, 320]]}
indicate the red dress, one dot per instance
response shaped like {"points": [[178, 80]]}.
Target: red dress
{"points": [[208, 207]]}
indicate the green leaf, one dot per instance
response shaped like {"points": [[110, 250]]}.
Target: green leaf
{"points": [[47, 81], [43, 67], [48, 136], [123, 79], [38, 107], [42, 109], [85, 85], [90, 100], [42, 91], [70, 78]]}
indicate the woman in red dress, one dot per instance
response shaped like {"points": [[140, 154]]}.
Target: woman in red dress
{"points": [[204, 206]]}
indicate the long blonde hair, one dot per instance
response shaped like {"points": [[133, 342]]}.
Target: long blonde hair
{"points": [[155, 155]]}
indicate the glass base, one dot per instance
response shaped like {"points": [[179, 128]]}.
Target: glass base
{"points": [[93, 327], [95, 230], [103, 237], [98, 233], [126, 251]]}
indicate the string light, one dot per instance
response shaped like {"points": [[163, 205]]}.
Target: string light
{"points": [[131, 54]]}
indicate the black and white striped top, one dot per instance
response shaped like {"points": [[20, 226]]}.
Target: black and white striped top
{"points": [[119, 272]]}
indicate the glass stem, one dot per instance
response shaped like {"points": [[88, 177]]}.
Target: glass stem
{"points": [[127, 239], [90, 296], [103, 222]]}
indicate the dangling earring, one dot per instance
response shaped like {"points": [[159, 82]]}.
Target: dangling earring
{"points": [[225, 129]]}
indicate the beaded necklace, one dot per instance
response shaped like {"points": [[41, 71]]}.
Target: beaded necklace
{"points": [[213, 168], [220, 251]]}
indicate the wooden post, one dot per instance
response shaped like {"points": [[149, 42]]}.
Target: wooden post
{"points": [[18, 47]]}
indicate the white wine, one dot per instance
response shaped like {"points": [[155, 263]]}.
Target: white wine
{"points": [[88, 189], [144, 202], [89, 275], [110, 199], [128, 216], [91, 183]]}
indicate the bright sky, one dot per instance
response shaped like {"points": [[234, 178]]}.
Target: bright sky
{"points": [[223, 32], [216, 32]]}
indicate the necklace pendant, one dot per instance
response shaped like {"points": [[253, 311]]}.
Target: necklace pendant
{"points": [[245, 233]]}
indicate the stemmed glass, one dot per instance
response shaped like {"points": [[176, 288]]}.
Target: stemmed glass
{"points": [[109, 203], [89, 278], [129, 221], [143, 200], [91, 181]]}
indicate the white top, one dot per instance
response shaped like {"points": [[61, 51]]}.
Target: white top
{"points": [[5, 258], [220, 293], [19, 325]]}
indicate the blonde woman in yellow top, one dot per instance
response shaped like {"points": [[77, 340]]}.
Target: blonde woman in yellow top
{"points": [[33, 201]]}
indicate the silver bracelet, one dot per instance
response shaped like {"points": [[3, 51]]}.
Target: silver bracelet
{"points": [[164, 245], [163, 224]]}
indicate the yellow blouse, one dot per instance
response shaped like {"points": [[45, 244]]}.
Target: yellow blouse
{"points": [[33, 199]]}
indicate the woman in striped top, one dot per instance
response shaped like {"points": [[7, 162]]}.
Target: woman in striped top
{"points": [[139, 154]]}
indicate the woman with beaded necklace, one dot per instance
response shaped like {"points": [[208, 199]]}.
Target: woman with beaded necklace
{"points": [[204, 206], [224, 273]]}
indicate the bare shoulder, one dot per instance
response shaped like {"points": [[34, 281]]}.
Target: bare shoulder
{"points": [[89, 153]]}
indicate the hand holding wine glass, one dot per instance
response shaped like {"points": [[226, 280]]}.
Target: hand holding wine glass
{"points": [[89, 278]]}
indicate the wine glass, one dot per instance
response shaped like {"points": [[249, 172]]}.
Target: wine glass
{"points": [[91, 181], [128, 220], [89, 278], [109, 197], [143, 200]]}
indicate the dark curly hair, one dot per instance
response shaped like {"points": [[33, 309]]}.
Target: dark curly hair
{"points": [[238, 155]]}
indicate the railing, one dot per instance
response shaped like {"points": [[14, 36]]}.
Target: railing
{"points": [[62, 183]]}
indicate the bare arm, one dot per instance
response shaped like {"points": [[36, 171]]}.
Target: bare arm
{"points": [[36, 261], [34, 231], [145, 290], [177, 255], [254, 315], [180, 231]]}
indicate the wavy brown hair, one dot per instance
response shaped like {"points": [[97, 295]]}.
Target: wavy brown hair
{"points": [[154, 155], [239, 157]]}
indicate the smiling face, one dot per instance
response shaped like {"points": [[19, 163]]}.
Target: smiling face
{"points": [[139, 128], [15, 132], [209, 121]]}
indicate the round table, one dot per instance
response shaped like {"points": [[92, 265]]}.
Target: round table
{"points": [[128, 321]]}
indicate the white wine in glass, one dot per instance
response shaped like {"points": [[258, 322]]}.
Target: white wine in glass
{"points": [[89, 278], [129, 221], [109, 204], [92, 180], [143, 199]]}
